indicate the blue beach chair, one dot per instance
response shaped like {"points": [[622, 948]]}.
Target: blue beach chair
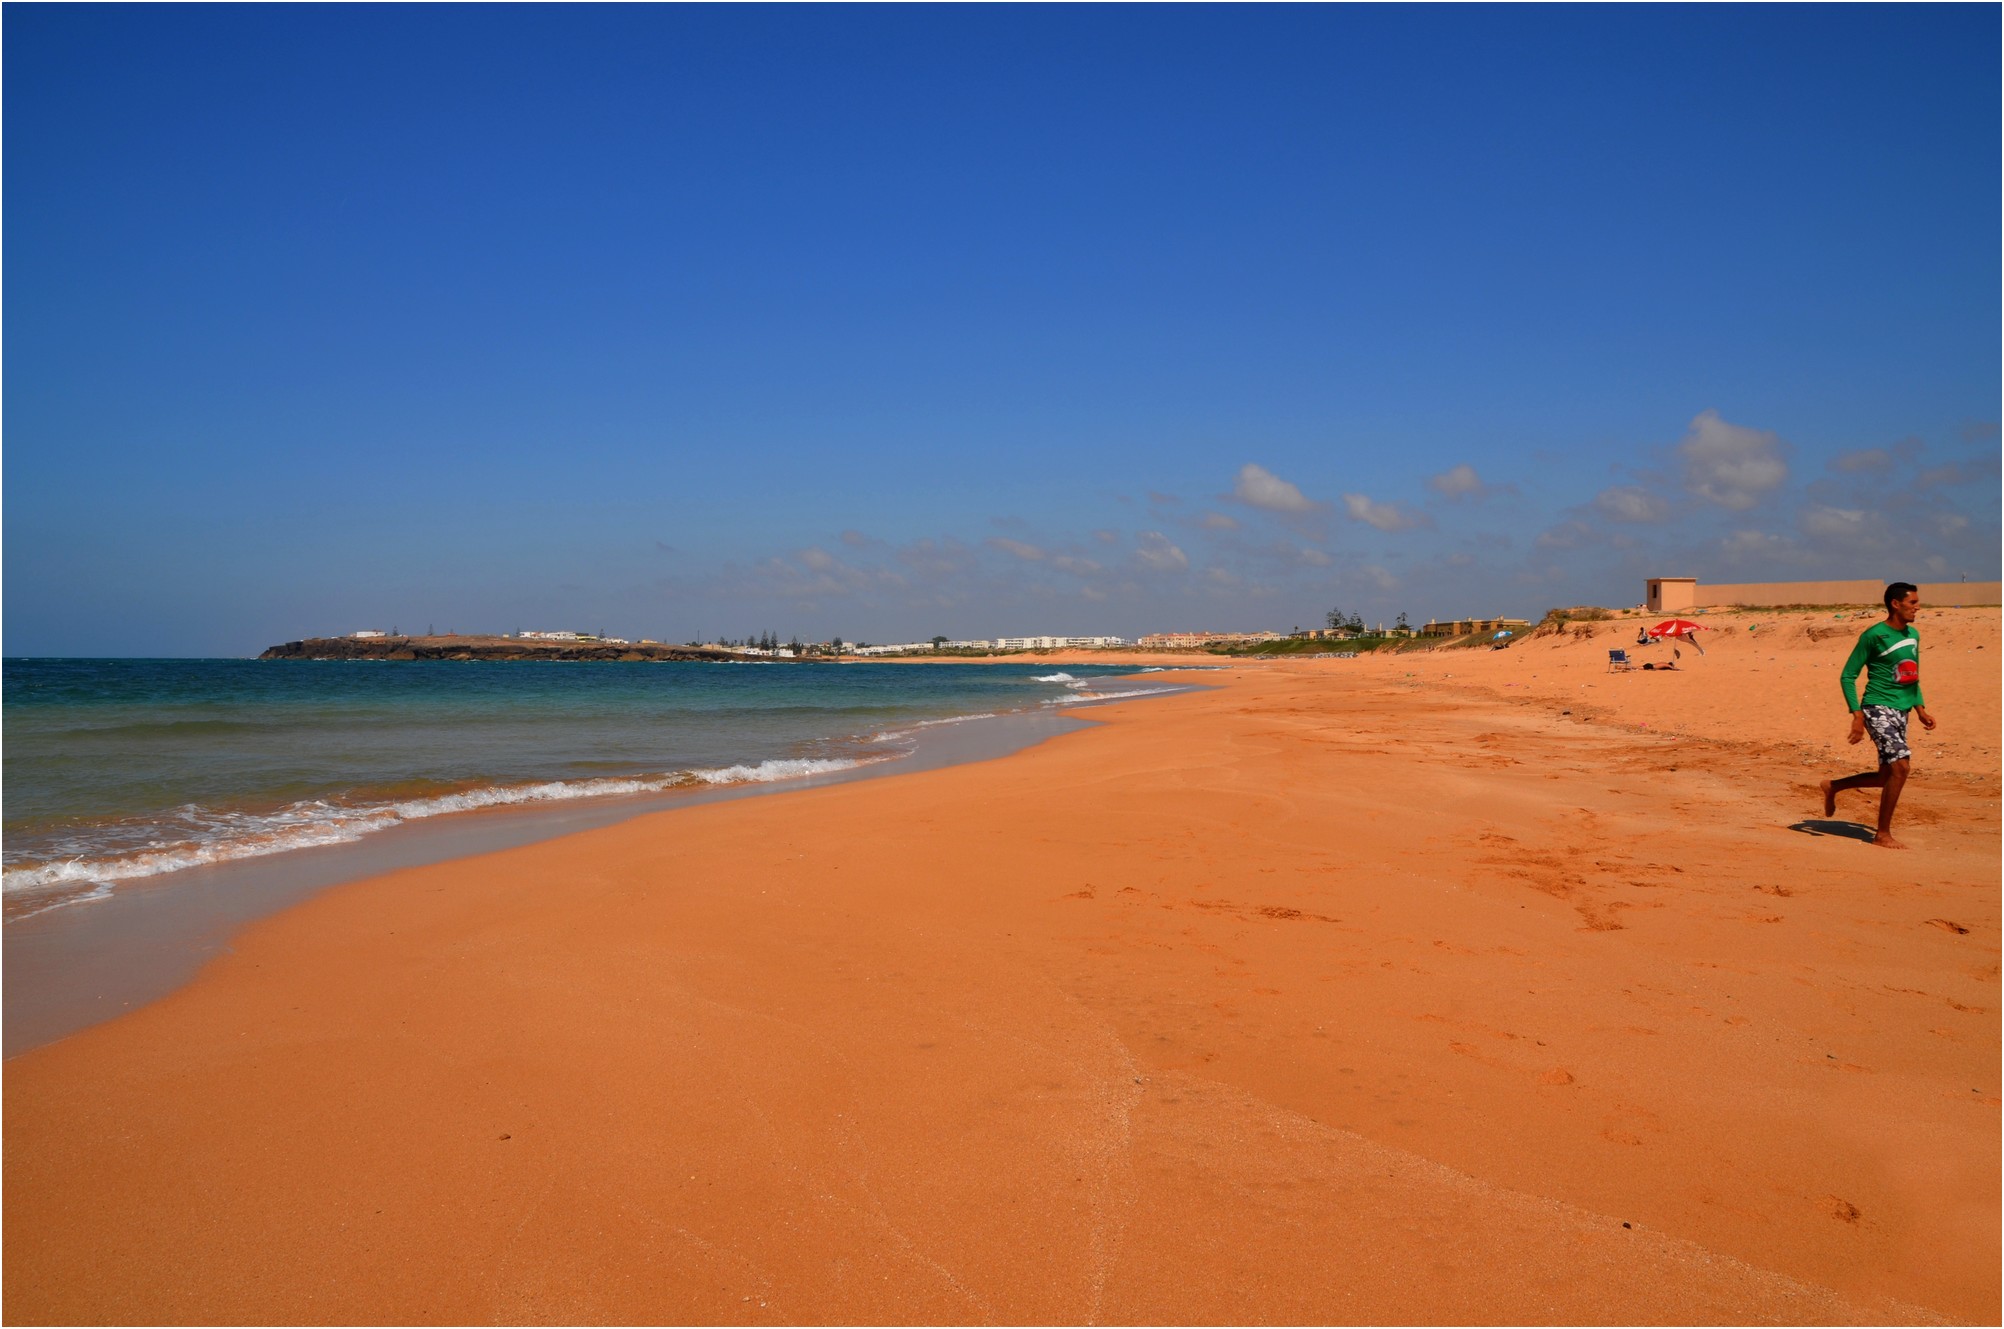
{"points": [[1618, 661]]}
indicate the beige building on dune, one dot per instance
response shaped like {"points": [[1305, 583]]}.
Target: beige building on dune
{"points": [[1670, 595], [1462, 627], [1180, 640]]}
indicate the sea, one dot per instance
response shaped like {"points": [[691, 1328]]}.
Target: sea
{"points": [[123, 772]]}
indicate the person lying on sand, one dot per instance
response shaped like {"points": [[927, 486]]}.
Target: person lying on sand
{"points": [[1889, 652]]}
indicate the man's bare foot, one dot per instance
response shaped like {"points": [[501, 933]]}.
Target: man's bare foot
{"points": [[1829, 798], [1885, 841]]}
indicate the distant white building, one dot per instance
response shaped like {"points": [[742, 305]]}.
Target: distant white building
{"points": [[368, 632], [1171, 640], [1055, 643], [548, 636]]}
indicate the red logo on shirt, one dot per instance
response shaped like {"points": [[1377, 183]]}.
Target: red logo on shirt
{"points": [[1907, 671]]}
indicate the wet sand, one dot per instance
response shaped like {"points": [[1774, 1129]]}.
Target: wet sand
{"points": [[1348, 991], [72, 967]]}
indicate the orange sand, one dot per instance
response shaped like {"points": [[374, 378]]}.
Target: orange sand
{"points": [[1347, 991]]}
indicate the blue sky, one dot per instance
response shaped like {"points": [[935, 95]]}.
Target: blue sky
{"points": [[889, 321]]}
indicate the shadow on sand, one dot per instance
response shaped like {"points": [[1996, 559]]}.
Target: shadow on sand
{"points": [[1848, 830]]}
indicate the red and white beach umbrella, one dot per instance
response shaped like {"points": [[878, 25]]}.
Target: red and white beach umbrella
{"points": [[1678, 627]]}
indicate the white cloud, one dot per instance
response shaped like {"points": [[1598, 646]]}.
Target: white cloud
{"points": [[1260, 488], [1078, 567], [824, 577], [1218, 521], [1158, 554], [1566, 535], [937, 558], [1865, 459], [1380, 577], [1384, 516], [1629, 503], [1457, 482], [1954, 473], [1107, 537], [1834, 523], [1028, 553], [1731, 465], [1315, 558], [1749, 546]]}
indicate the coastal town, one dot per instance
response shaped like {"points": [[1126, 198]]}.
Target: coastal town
{"points": [[1661, 595], [769, 646]]}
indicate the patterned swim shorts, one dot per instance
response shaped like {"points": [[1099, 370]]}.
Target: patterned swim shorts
{"points": [[1888, 728]]}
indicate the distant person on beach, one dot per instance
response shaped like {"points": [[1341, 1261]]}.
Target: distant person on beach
{"points": [[1889, 653]]}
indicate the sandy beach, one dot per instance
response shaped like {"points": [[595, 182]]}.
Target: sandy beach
{"points": [[1447, 987]]}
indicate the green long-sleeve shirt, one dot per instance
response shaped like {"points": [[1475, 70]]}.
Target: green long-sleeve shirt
{"points": [[1891, 659]]}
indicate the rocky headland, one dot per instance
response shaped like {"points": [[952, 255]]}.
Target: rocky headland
{"points": [[485, 648]]}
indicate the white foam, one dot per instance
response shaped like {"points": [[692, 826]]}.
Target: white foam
{"points": [[1056, 678], [1078, 697], [793, 769], [892, 735], [315, 823], [98, 892]]}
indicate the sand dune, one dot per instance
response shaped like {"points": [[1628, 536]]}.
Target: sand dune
{"points": [[1378, 990]]}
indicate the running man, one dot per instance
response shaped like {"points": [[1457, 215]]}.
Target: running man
{"points": [[1889, 652]]}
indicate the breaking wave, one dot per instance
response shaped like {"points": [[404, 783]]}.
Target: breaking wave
{"points": [[1078, 697], [214, 836]]}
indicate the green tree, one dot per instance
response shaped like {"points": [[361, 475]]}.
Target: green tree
{"points": [[938, 642], [1335, 618]]}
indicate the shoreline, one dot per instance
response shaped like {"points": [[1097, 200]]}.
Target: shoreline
{"points": [[73, 966], [1319, 995]]}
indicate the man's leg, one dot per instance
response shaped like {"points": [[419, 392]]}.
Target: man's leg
{"points": [[1869, 780], [1889, 798]]}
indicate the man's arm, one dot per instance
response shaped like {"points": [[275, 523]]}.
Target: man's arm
{"points": [[1848, 679], [1920, 702]]}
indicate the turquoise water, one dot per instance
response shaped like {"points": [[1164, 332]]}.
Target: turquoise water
{"points": [[118, 770]]}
